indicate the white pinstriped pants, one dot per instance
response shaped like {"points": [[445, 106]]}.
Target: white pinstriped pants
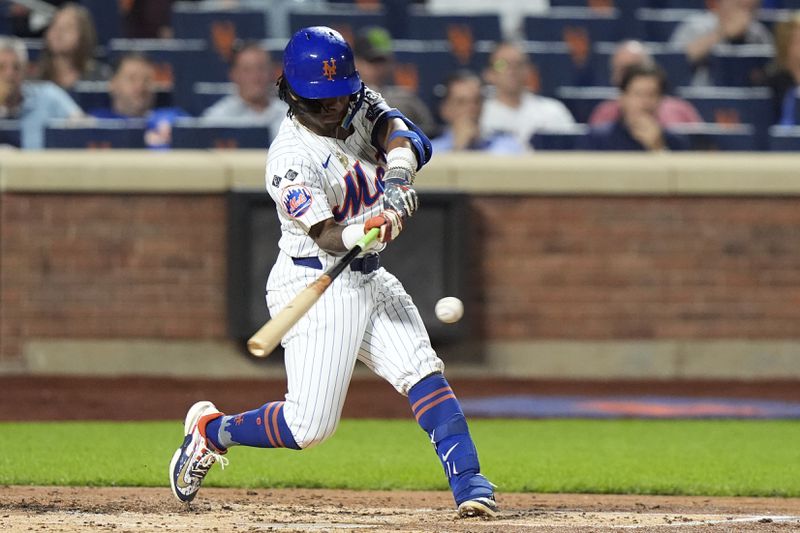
{"points": [[369, 317]]}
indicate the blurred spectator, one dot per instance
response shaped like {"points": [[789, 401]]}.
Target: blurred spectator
{"points": [[461, 112], [253, 74], [132, 89], [672, 110], [514, 109], [375, 63], [642, 88], [69, 47], [730, 22], [784, 76], [33, 103]]}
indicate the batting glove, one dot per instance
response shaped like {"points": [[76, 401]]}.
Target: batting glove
{"points": [[390, 223], [401, 198]]}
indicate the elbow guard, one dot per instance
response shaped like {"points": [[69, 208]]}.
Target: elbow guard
{"points": [[419, 141]]}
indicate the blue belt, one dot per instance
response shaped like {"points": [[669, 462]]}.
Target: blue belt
{"points": [[365, 265]]}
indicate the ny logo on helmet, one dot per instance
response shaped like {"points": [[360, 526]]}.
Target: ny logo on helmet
{"points": [[329, 69]]}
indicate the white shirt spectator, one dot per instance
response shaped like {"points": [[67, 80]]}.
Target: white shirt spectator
{"points": [[232, 107], [535, 113]]}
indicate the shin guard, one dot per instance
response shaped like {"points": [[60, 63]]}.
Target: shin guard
{"points": [[438, 412]]}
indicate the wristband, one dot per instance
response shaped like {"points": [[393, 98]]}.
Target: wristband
{"points": [[351, 234], [402, 158]]}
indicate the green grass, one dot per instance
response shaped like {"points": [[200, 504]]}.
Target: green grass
{"points": [[722, 458]]}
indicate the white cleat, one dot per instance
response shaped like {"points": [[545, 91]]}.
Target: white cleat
{"points": [[192, 461]]}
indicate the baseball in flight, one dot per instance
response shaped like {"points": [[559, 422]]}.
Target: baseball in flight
{"points": [[449, 309]]}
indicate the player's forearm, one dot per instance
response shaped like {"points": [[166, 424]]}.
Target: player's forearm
{"points": [[328, 236], [391, 126]]}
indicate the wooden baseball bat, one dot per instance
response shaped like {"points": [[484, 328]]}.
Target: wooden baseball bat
{"points": [[270, 334]]}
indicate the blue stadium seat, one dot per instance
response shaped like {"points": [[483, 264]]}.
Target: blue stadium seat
{"points": [[563, 24], [107, 19], [657, 25], [99, 135], [562, 140], [453, 27], [784, 138], [178, 64], [558, 67], [346, 22], [9, 133], [739, 65], [732, 106], [581, 101], [220, 29], [717, 137], [423, 67], [205, 133]]}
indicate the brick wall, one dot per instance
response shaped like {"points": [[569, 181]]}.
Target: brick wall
{"points": [[153, 266], [639, 268], [111, 266]]}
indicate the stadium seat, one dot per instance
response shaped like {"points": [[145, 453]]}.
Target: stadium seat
{"points": [[581, 101], [558, 66], [571, 24], [784, 138], [9, 133], [718, 137], [347, 22], [455, 28], [562, 140], [730, 106], [98, 134], [107, 19], [220, 29], [421, 67], [739, 65], [657, 25], [205, 133]]}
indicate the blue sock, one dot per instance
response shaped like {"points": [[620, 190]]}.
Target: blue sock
{"points": [[264, 427], [438, 412]]}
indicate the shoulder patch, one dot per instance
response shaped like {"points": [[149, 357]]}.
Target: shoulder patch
{"points": [[290, 174], [276, 180], [296, 200]]}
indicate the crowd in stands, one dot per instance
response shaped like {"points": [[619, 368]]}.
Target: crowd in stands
{"points": [[506, 78]]}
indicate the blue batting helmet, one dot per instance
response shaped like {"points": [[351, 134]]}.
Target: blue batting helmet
{"points": [[318, 63]]}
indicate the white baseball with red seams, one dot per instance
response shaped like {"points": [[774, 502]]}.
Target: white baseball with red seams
{"points": [[449, 309]]}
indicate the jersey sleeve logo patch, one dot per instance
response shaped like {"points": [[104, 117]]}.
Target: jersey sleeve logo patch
{"points": [[296, 200], [290, 175], [276, 180]]}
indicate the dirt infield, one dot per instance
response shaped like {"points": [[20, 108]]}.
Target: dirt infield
{"points": [[71, 509]]}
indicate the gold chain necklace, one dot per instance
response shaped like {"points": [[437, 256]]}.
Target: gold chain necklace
{"points": [[333, 145]]}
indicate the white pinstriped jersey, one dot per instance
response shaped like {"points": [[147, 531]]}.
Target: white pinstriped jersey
{"points": [[368, 317], [310, 181]]}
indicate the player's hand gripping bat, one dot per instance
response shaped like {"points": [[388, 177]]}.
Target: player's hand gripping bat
{"points": [[267, 338]]}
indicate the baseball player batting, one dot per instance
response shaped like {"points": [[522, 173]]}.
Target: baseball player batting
{"points": [[343, 162]]}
